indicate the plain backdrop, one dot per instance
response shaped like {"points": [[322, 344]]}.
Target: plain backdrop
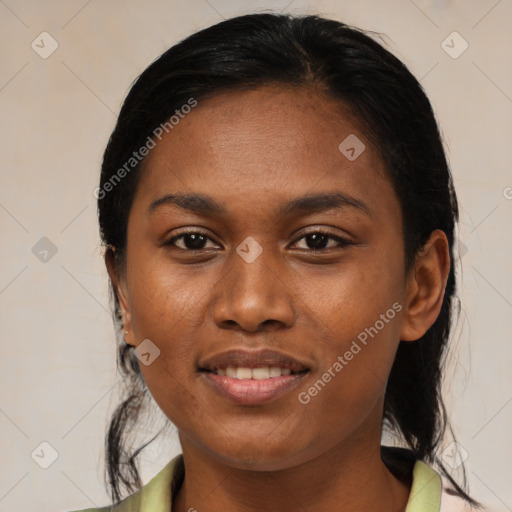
{"points": [[59, 381]]}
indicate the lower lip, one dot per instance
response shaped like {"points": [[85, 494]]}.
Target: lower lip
{"points": [[253, 391]]}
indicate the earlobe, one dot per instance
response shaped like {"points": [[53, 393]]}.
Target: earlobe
{"points": [[118, 285], [426, 286]]}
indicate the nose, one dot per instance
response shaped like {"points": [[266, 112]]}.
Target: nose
{"points": [[254, 295]]}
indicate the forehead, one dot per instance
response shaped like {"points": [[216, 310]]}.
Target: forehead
{"points": [[258, 144]]}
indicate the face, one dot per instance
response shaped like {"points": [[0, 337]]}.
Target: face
{"points": [[320, 280]]}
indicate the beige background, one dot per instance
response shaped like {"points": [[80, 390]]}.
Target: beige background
{"points": [[58, 360]]}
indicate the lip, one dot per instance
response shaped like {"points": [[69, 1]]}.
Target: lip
{"points": [[253, 359], [252, 391]]}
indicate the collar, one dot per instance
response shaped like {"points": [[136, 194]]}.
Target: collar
{"points": [[426, 489], [156, 495]]}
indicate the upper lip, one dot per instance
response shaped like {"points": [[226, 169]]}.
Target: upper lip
{"points": [[252, 359]]}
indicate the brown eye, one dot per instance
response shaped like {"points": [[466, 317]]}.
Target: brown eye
{"points": [[191, 241], [315, 241], [318, 241]]}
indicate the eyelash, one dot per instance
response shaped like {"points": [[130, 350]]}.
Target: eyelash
{"points": [[343, 242]]}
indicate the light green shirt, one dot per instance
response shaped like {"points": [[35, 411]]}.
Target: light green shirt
{"points": [[157, 494]]}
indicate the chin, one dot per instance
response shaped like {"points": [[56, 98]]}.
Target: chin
{"points": [[253, 458]]}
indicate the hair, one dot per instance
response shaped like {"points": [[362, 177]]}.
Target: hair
{"points": [[254, 50]]}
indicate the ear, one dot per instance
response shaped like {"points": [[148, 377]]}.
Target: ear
{"points": [[425, 287], [120, 291]]}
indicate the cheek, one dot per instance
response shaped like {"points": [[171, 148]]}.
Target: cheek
{"points": [[359, 313], [169, 306], [347, 387], [165, 298], [356, 297], [166, 311]]}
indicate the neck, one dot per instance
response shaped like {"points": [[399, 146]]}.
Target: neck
{"points": [[350, 476]]}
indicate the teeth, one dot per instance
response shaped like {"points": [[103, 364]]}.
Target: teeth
{"points": [[243, 373], [275, 371], [264, 372], [261, 373]]}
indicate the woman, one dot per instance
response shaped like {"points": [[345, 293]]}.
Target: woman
{"points": [[278, 216]]}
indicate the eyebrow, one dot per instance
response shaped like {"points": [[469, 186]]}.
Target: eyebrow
{"points": [[312, 203]]}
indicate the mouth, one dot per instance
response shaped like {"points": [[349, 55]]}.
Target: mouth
{"points": [[247, 373], [257, 364], [252, 378]]}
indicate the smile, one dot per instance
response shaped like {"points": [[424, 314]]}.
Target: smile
{"points": [[265, 372], [248, 389]]}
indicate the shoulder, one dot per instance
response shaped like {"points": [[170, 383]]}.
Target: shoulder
{"points": [[157, 494]]}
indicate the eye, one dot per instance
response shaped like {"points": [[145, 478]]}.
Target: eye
{"points": [[315, 240], [318, 240], [192, 241]]}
